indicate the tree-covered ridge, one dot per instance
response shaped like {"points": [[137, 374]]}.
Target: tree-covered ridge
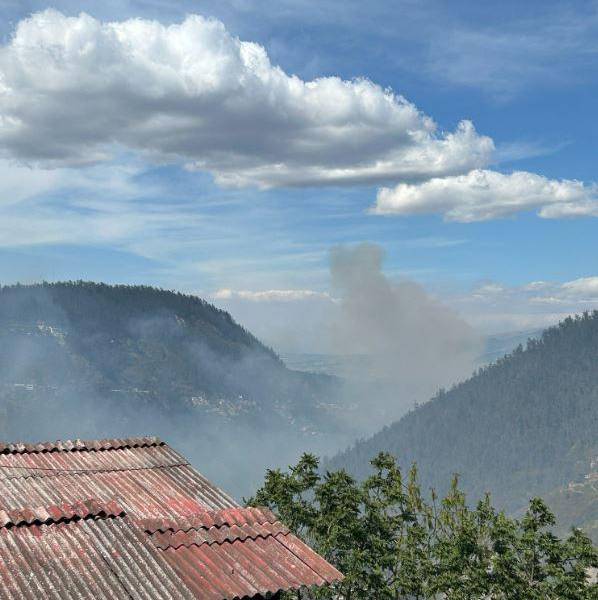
{"points": [[522, 426], [178, 348], [91, 307]]}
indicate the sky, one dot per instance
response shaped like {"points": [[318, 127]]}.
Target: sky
{"points": [[227, 148]]}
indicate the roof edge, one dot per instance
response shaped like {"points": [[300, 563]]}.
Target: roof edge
{"points": [[77, 445]]}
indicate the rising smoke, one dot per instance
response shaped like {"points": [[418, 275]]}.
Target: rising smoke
{"points": [[410, 343], [392, 343]]}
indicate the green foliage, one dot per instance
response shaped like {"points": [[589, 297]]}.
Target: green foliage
{"points": [[391, 543], [525, 425]]}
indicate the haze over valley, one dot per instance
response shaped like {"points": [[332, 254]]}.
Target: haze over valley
{"points": [[342, 256], [90, 360]]}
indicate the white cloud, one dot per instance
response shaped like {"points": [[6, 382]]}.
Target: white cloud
{"points": [[271, 295], [74, 88], [119, 224], [534, 286], [493, 307], [489, 289], [92, 206], [584, 287], [19, 182], [577, 290], [482, 195]]}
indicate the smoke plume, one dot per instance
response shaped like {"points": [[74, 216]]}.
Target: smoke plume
{"points": [[410, 343]]}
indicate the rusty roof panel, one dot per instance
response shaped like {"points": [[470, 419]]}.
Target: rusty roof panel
{"points": [[216, 535], [43, 464], [241, 552], [93, 559], [143, 571], [143, 494], [244, 569], [152, 481], [59, 512], [311, 558], [210, 518], [170, 533]]}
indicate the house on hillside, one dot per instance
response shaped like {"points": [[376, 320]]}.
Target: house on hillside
{"points": [[133, 519]]}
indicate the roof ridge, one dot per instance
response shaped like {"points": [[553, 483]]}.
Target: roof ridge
{"points": [[97, 445], [60, 513]]}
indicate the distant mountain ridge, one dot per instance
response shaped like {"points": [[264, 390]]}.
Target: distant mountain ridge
{"points": [[525, 425], [81, 359]]}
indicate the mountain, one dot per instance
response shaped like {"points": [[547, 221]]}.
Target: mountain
{"points": [[91, 360], [525, 425]]}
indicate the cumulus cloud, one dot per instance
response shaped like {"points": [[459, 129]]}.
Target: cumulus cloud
{"points": [[72, 89], [482, 195]]}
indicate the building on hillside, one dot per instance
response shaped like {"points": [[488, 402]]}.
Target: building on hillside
{"points": [[133, 519]]}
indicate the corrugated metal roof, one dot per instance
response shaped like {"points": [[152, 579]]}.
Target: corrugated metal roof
{"points": [[132, 519], [209, 518], [96, 557], [151, 479], [61, 512], [237, 553]]}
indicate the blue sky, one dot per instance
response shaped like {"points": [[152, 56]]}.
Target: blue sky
{"points": [[245, 200]]}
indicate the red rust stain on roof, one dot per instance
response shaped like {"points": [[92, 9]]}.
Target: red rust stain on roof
{"points": [[124, 518]]}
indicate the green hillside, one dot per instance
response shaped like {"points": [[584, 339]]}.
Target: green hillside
{"points": [[525, 425]]}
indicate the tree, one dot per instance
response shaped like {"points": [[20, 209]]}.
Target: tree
{"points": [[392, 544]]}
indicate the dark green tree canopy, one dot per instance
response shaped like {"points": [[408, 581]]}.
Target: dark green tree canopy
{"points": [[392, 543]]}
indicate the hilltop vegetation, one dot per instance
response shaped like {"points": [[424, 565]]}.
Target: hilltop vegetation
{"points": [[526, 425]]}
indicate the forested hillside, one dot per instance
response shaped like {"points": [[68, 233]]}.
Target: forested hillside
{"points": [[526, 425], [91, 360]]}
